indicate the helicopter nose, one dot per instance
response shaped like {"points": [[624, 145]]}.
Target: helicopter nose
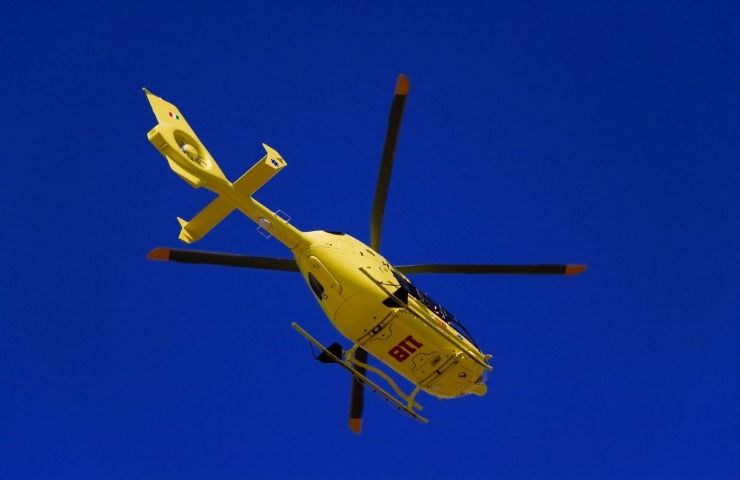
{"points": [[479, 388]]}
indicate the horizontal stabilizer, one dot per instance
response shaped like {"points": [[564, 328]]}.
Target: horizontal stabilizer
{"points": [[261, 172], [216, 211], [213, 214]]}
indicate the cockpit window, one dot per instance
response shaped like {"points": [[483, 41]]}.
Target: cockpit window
{"points": [[407, 288]]}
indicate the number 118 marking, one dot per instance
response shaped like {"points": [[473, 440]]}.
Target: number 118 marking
{"points": [[405, 348]]}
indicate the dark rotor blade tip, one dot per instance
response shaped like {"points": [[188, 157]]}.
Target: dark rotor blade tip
{"points": [[355, 424], [575, 269], [159, 253], [402, 85]]}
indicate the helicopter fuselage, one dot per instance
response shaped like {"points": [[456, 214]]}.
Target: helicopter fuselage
{"points": [[363, 297]]}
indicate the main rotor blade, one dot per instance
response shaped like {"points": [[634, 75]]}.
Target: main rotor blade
{"points": [[386, 161], [357, 400], [225, 259], [570, 269]]}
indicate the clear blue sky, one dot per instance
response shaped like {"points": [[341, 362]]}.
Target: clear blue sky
{"points": [[604, 134]]}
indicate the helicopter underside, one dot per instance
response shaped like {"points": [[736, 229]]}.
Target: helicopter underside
{"points": [[355, 287]]}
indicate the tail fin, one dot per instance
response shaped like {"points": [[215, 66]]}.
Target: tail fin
{"points": [[179, 144]]}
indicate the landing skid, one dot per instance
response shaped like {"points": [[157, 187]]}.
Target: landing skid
{"points": [[349, 362]]}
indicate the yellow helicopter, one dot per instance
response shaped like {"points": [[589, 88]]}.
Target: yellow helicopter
{"points": [[368, 300]]}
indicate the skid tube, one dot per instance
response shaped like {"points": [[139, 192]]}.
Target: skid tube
{"points": [[348, 364]]}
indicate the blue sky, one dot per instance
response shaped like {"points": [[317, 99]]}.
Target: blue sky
{"points": [[535, 132]]}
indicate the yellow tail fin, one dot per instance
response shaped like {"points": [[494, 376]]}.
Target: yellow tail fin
{"points": [[179, 144]]}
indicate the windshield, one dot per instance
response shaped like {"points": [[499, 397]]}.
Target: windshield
{"points": [[407, 288]]}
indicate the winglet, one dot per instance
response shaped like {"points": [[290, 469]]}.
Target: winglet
{"points": [[574, 269], [159, 253], [402, 85], [274, 157], [355, 424], [146, 91], [186, 235]]}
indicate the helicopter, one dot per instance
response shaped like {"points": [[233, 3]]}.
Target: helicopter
{"points": [[368, 300]]}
